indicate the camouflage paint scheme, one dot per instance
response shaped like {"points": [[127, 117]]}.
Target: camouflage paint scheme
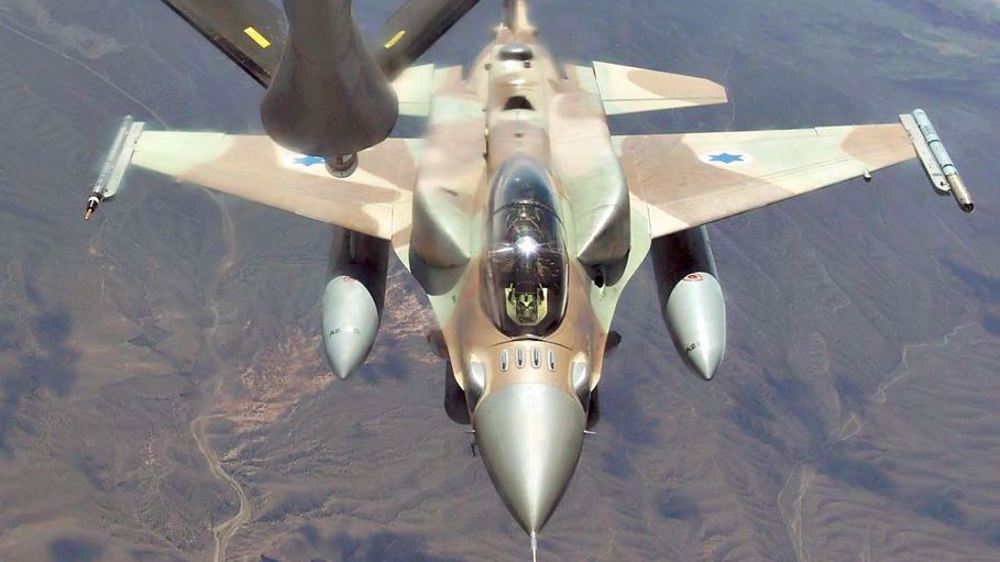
{"points": [[615, 195], [431, 194]]}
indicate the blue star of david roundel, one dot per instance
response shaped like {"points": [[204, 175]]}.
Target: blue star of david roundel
{"points": [[308, 161], [725, 157]]}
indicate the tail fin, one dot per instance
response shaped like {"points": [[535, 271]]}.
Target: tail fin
{"points": [[515, 15]]}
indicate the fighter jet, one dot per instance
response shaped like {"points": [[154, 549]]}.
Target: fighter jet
{"points": [[519, 213]]}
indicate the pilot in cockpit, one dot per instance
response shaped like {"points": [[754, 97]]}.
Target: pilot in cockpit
{"points": [[526, 298], [526, 269]]}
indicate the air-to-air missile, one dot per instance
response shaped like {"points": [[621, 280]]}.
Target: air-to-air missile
{"points": [[117, 161], [934, 156], [353, 298], [691, 298]]}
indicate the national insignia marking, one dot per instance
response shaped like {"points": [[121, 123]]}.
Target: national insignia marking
{"points": [[308, 161], [725, 158]]}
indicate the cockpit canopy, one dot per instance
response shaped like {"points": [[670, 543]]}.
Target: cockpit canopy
{"points": [[526, 265]]}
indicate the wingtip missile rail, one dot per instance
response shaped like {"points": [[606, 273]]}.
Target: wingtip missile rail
{"points": [[113, 171], [934, 156]]}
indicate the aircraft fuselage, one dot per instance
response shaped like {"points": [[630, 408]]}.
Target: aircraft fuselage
{"points": [[527, 344]]}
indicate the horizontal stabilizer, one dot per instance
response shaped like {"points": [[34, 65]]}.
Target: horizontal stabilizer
{"points": [[626, 89]]}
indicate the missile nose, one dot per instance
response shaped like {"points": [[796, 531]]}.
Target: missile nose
{"points": [[530, 436]]}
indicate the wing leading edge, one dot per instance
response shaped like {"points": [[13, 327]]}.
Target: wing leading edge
{"points": [[687, 180]]}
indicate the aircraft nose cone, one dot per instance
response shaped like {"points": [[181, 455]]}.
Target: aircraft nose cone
{"points": [[530, 437]]}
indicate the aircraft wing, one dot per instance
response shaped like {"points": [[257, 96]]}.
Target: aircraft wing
{"points": [[692, 179], [372, 200], [251, 32]]}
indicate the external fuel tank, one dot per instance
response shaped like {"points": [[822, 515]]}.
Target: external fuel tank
{"points": [[353, 299], [691, 299]]}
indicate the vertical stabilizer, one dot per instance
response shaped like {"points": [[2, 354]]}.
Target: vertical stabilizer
{"points": [[515, 15]]}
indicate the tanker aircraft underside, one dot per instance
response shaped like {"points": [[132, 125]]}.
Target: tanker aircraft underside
{"points": [[519, 213]]}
